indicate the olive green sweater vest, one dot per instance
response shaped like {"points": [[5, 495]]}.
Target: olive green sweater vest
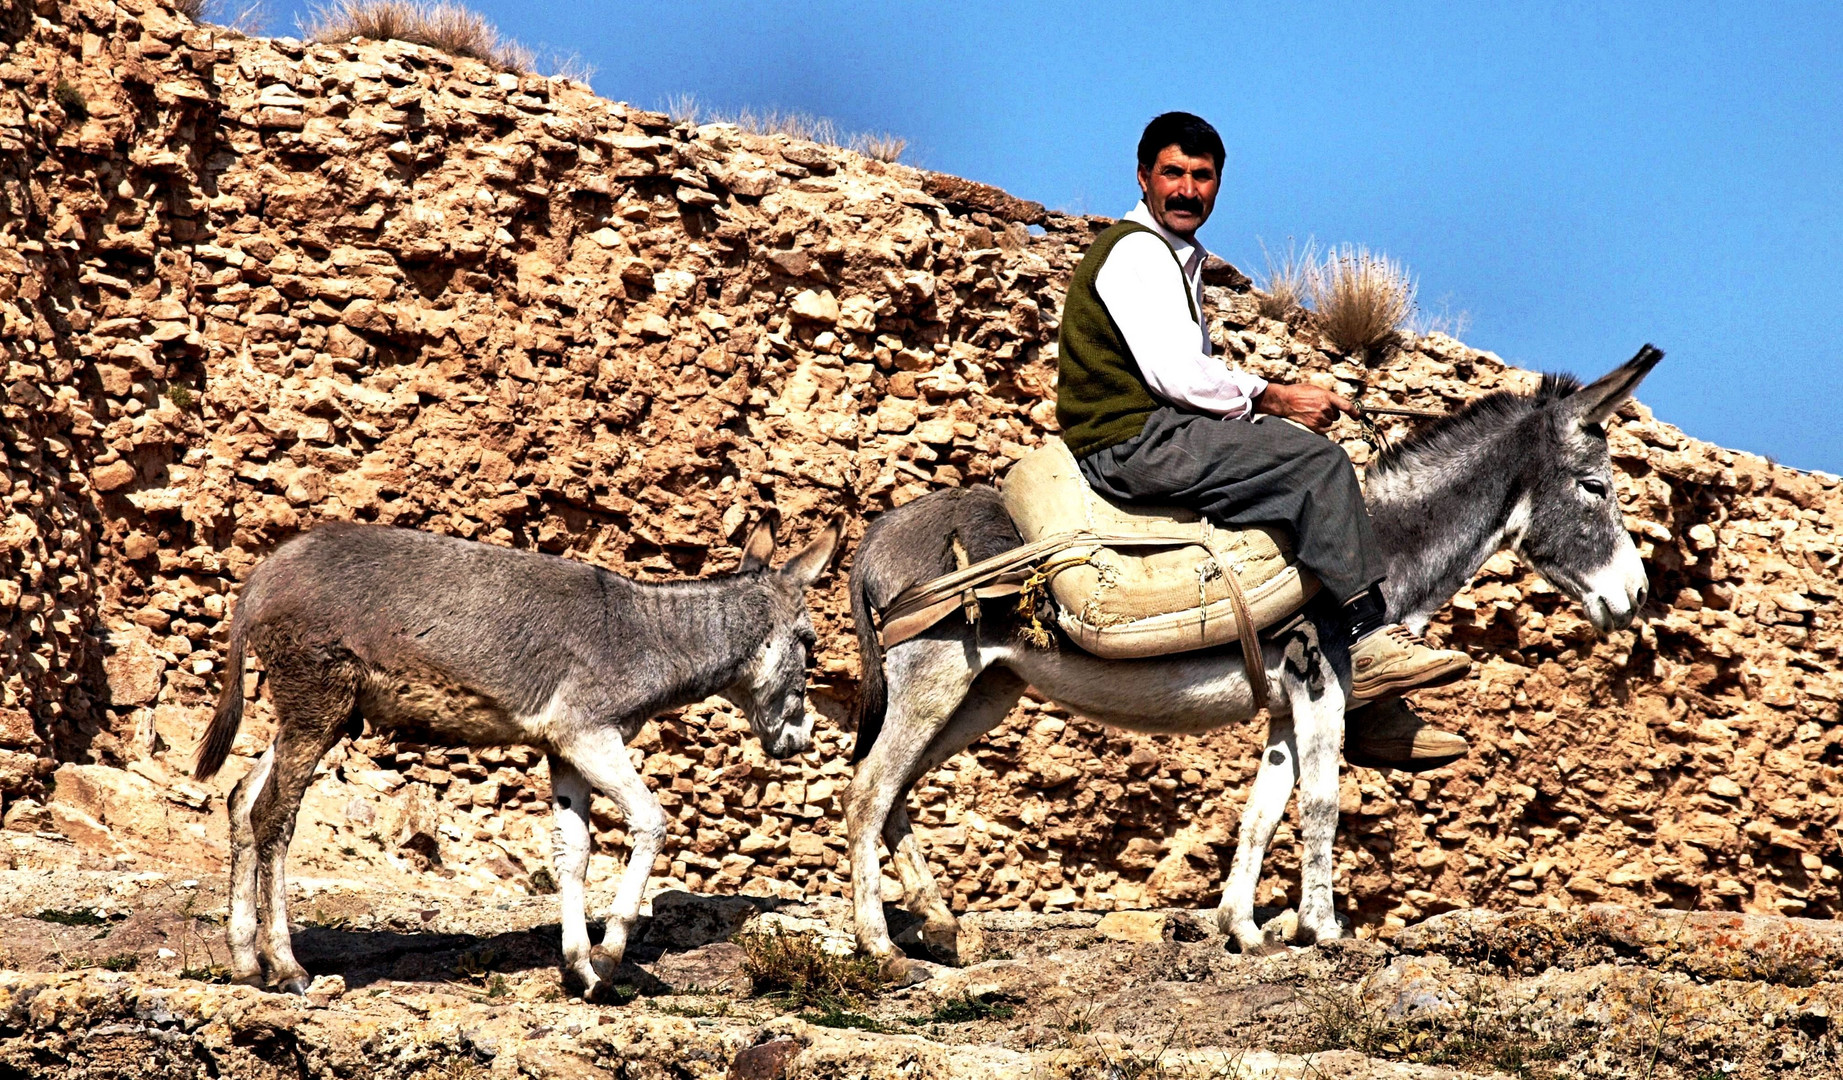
{"points": [[1101, 398]]}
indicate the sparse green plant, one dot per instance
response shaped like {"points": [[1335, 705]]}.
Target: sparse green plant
{"points": [[833, 1014], [800, 970], [1287, 284], [320, 920], [189, 933], [440, 24], [696, 1010], [1362, 298], [77, 917], [542, 882], [456, 1068], [71, 100], [475, 963], [496, 987], [1094, 1058], [969, 1007], [126, 961], [1481, 1030], [182, 398], [1076, 1019]]}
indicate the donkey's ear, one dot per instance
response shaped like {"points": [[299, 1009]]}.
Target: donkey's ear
{"points": [[804, 569], [1596, 403], [759, 547]]}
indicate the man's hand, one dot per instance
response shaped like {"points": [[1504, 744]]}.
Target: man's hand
{"points": [[1315, 408]]}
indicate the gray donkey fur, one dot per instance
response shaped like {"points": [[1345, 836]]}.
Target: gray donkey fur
{"points": [[453, 642], [1528, 473]]}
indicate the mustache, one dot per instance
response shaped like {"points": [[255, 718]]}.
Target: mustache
{"points": [[1183, 202]]}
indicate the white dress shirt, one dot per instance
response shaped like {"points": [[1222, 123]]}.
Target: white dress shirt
{"points": [[1139, 283]]}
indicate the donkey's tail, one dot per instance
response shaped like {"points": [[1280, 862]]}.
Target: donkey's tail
{"points": [[229, 717], [873, 691]]}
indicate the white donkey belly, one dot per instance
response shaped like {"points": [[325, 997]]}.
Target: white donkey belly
{"points": [[1175, 695]]}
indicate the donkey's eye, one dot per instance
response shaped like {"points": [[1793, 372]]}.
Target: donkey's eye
{"points": [[1594, 487]]}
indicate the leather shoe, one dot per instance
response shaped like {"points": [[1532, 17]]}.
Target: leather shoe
{"points": [[1393, 661], [1389, 735]]}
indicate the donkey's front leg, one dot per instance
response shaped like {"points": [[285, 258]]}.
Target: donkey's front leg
{"points": [[569, 800], [601, 756], [1273, 785], [1319, 723]]}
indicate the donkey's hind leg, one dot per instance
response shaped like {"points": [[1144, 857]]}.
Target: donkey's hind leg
{"points": [[245, 918], [991, 699], [928, 679], [315, 697]]}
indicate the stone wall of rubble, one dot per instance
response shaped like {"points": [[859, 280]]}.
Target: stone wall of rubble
{"points": [[248, 285]]}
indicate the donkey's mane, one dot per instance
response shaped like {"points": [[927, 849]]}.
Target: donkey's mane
{"points": [[1474, 418]]}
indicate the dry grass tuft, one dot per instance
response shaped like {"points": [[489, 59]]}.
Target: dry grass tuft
{"points": [[682, 108], [1445, 321], [800, 970], [791, 123], [1486, 1029], [1363, 298], [1288, 282], [247, 17], [439, 24], [570, 66], [882, 146]]}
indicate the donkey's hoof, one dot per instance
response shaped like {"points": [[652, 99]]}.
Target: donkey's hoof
{"points": [[604, 963], [901, 971], [1307, 935], [942, 940], [293, 984]]}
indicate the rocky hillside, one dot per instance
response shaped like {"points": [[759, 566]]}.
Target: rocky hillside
{"points": [[247, 285]]}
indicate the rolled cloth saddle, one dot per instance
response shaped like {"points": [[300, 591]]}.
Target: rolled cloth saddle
{"points": [[1123, 602], [1127, 581]]}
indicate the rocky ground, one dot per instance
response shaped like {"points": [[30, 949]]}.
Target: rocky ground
{"points": [[116, 974]]}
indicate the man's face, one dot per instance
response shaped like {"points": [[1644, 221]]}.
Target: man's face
{"points": [[1180, 190]]}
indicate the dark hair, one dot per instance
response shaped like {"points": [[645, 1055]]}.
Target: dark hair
{"points": [[1189, 133]]}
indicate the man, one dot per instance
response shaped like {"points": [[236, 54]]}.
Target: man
{"points": [[1152, 415]]}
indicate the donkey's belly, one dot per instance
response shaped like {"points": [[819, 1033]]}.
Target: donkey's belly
{"points": [[438, 710], [1175, 696]]}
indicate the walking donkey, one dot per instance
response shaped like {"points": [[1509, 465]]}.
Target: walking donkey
{"points": [[449, 641], [1526, 472]]}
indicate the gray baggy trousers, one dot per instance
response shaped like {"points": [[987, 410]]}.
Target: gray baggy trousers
{"points": [[1241, 472]]}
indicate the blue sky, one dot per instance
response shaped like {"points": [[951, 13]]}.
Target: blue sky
{"points": [[1577, 178]]}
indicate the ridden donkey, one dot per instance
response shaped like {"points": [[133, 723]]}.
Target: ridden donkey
{"points": [[449, 641], [1526, 472]]}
